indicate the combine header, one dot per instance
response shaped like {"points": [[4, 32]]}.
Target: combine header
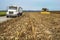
{"points": [[45, 11]]}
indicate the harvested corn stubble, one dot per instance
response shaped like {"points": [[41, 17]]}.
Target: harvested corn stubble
{"points": [[31, 26]]}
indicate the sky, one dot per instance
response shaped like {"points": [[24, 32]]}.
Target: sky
{"points": [[31, 4]]}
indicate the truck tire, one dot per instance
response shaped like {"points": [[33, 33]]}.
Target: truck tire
{"points": [[20, 14], [7, 16]]}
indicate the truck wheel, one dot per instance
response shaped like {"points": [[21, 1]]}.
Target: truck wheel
{"points": [[20, 14], [7, 16]]}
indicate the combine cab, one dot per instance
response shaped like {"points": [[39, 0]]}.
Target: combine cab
{"points": [[45, 11]]}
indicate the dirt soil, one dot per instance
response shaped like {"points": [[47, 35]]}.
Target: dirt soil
{"points": [[32, 26]]}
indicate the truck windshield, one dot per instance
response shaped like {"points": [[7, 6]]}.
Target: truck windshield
{"points": [[14, 8]]}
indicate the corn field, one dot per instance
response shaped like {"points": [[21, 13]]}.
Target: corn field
{"points": [[31, 26]]}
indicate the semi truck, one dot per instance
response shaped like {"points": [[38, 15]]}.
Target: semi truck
{"points": [[14, 11]]}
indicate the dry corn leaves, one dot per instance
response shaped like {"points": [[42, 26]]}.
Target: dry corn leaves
{"points": [[31, 26]]}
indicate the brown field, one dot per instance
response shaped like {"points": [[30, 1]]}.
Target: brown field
{"points": [[32, 26]]}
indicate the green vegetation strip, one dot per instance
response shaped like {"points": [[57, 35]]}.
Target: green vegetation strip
{"points": [[2, 13]]}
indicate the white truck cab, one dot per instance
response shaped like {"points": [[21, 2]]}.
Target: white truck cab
{"points": [[14, 11]]}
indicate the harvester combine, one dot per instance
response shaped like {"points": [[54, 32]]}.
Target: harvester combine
{"points": [[45, 11]]}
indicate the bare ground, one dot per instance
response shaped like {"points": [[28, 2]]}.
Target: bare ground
{"points": [[32, 26]]}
